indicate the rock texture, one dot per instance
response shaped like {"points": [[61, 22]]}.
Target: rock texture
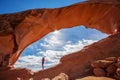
{"points": [[109, 67], [19, 30], [16, 74]]}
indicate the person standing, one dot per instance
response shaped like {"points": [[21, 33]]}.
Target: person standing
{"points": [[43, 61]]}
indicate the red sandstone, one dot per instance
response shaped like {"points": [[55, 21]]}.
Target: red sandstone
{"points": [[103, 15]]}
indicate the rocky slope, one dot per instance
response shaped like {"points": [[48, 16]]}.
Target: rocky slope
{"points": [[18, 30]]}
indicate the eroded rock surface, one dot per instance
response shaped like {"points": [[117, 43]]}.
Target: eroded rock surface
{"points": [[112, 69], [16, 74], [18, 30]]}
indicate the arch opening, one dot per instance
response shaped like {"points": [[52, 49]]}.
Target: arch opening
{"points": [[55, 45]]}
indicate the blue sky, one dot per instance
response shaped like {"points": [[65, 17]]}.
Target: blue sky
{"points": [[56, 44], [10, 6]]}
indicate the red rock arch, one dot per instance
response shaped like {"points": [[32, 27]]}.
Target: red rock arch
{"points": [[34, 24]]}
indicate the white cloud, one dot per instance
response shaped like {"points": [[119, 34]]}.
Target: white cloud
{"points": [[70, 47], [27, 58], [53, 40], [28, 61]]}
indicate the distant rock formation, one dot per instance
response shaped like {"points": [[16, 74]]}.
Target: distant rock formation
{"points": [[19, 30]]}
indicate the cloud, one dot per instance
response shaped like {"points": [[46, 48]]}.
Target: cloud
{"points": [[70, 47], [53, 40]]}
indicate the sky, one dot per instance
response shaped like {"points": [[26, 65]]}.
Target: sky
{"points": [[10, 6], [55, 44]]}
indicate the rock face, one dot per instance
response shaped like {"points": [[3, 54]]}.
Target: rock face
{"points": [[16, 74], [111, 67], [19, 30]]}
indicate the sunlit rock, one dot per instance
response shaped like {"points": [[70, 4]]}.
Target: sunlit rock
{"points": [[19, 30]]}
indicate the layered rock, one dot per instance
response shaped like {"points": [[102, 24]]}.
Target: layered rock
{"points": [[18, 30]]}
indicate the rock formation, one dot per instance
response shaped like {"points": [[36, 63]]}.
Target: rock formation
{"points": [[109, 67], [16, 74], [19, 30]]}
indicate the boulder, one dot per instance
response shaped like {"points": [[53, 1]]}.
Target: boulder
{"points": [[61, 76], [99, 72]]}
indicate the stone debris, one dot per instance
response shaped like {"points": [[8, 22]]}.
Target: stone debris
{"points": [[61, 76], [109, 67]]}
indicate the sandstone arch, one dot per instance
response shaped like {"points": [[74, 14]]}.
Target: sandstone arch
{"points": [[102, 15]]}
